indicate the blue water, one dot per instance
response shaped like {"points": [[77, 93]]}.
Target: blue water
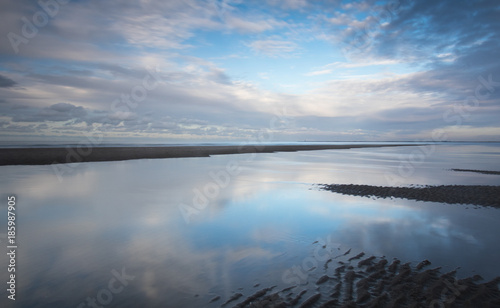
{"points": [[182, 231]]}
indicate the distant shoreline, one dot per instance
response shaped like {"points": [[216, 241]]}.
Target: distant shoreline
{"points": [[64, 155]]}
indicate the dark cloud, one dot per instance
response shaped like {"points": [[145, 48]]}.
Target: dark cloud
{"points": [[455, 44], [457, 36], [53, 113], [426, 28], [6, 82]]}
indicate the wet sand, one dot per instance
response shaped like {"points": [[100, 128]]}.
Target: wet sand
{"points": [[46, 156], [377, 282], [452, 194]]}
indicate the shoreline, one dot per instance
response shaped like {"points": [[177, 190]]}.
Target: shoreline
{"points": [[65, 155]]}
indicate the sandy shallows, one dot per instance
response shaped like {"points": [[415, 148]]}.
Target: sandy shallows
{"points": [[377, 282], [46, 156], [454, 194]]}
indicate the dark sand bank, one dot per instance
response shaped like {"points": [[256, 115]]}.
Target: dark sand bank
{"points": [[377, 282], [477, 171], [453, 194], [46, 156]]}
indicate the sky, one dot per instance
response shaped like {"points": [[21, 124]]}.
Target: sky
{"points": [[146, 71]]}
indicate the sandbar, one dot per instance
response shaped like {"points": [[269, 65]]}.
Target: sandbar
{"points": [[483, 195], [63, 155], [477, 171]]}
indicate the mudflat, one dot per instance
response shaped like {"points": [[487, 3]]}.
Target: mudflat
{"points": [[63, 155], [452, 194], [378, 282]]}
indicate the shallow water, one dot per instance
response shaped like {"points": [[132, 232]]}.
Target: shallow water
{"points": [[183, 231]]}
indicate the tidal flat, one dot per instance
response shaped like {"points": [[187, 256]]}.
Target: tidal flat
{"points": [[239, 230]]}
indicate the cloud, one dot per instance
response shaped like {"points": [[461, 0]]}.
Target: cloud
{"points": [[6, 82], [273, 48], [55, 112], [339, 19], [362, 63], [321, 72], [249, 26], [288, 4], [421, 31], [215, 105], [407, 64]]}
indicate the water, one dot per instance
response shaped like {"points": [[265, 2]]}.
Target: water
{"points": [[179, 232]]}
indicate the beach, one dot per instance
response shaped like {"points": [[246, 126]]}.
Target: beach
{"points": [[46, 156]]}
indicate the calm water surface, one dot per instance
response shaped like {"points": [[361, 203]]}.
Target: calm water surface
{"points": [[179, 232]]}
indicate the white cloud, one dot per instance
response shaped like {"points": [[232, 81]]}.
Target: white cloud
{"points": [[273, 48], [249, 26], [468, 132], [362, 63], [289, 4], [321, 72], [264, 76], [361, 98]]}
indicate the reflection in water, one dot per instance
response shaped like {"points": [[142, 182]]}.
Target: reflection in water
{"points": [[116, 216]]}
